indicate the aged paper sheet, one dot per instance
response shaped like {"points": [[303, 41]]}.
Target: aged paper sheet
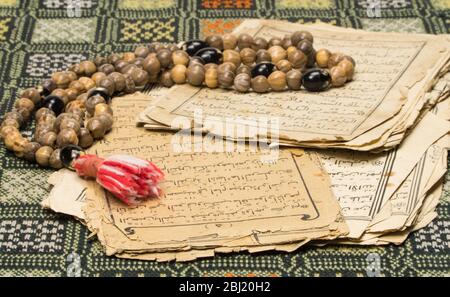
{"points": [[394, 69]]}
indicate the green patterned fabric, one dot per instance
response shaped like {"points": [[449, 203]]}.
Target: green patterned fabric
{"points": [[38, 37]]}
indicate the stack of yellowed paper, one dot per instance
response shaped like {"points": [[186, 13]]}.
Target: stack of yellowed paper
{"points": [[224, 196], [393, 73]]}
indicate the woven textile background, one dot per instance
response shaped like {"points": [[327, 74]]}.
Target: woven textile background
{"points": [[38, 37]]}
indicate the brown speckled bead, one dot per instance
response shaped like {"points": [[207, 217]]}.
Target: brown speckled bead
{"points": [[195, 75], [298, 59], [91, 102], [263, 56], [108, 84], [62, 94], [97, 77], [119, 81], [166, 79], [215, 41], [259, 43], [348, 67], [242, 82], [106, 68], [338, 76], [6, 130], [260, 84], [130, 87], [85, 138], [232, 56], [286, 42], [225, 78], [248, 56], [88, 68], [70, 123], [11, 122], [334, 59], [229, 41], [55, 160], [298, 36], [66, 136], [43, 154], [47, 138], [113, 58], [284, 65], [97, 127], [24, 103], [277, 80], [140, 77], [151, 64], [99, 61], [41, 112], [293, 79], [30, 151], [32, 94], [244, 69], [277, 53], [274, 41], [87, 82], [165, 57], [244, 40], [129, 57], [107, 120], [14, 115], [180, 57]]}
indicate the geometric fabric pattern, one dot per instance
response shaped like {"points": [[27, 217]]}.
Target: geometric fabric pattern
{"points": [[42, 36]]}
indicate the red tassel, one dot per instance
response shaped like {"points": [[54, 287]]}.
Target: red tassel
{"points": [[130, 179]]}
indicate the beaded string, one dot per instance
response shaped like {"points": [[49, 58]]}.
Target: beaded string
{"points": [[72, 106]]}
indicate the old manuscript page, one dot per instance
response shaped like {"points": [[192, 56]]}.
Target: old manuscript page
{"points": [[218, 195], [389, 67]]}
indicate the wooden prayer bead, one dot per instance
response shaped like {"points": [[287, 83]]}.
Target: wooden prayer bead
{"points": [[259, 43], [61, 79], [75, 68], [215, 41], [151, 64], [91, 102], [6, 130], [244, 40], [334, 59], [113, 58], [242, 82], [260, 84], [348, 67], [41, 112], [178, 74], [55, 161], [106, 68], [66, 136], [248, 56], [298, 59], [120, 65], [284, 65], [293, 79], [195, 75], [128, 69], [32, 94], [129, 57], [322, 57], [10, 122], [47, 138], [19, 146], [47, 86], [243, 69], [263, 56], [164, 57], [299, 36], [71, 123], [24, 103], [277, 80], [180, 57], [141, 51], [87, 82], [88, 68], [166, 79], [96, 127], [77, 85], [30, 151], [225, 78], [85, 139], [119, 81], [14, 115], [99, 61], [277, 53], [61, 94], [338, 76], [130, 87], [43, 154], [232, 56], [71, 94], [101, 108], [226, 66], [140, 77], [108, 84], [274, 41], [229, 41], [107, 120], [286, 42], [211, 78]]}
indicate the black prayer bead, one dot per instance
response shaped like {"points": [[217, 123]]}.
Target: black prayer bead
{"points": [[69, 153], [193, 46], [316, 80], [54, 103], [263, 69], [209, 55]]}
